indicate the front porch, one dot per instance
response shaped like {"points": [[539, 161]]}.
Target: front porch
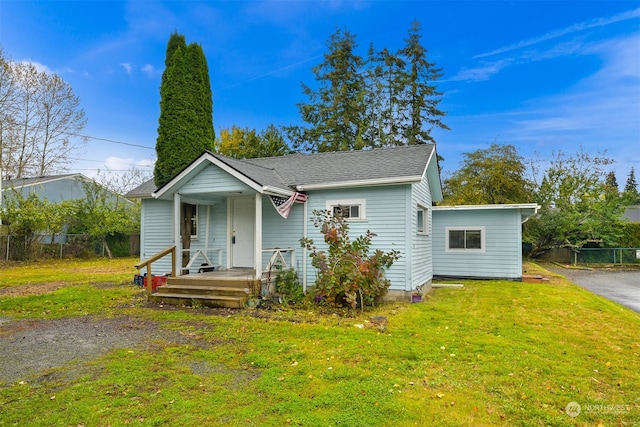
{"points": [[228, 288], [225, 288]]}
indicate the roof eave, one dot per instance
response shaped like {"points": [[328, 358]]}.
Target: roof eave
{"points": [[359, 183], [432, 171]]}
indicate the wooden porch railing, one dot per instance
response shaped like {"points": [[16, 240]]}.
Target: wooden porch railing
{"points": [[147, 263]]}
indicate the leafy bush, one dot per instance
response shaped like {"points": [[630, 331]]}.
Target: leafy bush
{"points": [[346, 271], [630, 235], [288, 286]]}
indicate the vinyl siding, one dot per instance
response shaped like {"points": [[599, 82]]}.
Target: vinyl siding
{"points": [[278, 232], [385, 216], [54, 191], [421, 266], [502, 257], [213, 179], [157, 232]]}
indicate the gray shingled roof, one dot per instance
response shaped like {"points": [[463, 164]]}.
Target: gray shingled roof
{"points": [[21, 182], [342, 167], [632, 213], [348, 166], [143, 190]]}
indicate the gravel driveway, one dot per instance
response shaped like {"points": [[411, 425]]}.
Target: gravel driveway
{"points": [[622, 287], [29, 346]]}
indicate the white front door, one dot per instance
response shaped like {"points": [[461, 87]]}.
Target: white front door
{"points": [[243, 232]]}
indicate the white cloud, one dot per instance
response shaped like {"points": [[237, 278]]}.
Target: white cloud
{"points": [[600, 22], [127, 67], [123, 164], [149, 70], [482, 72], [599, 113], [38, 66]]}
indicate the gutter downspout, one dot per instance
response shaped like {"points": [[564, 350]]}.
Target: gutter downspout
{"points": [[304, 250]]}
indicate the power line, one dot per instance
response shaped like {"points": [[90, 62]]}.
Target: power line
{"points": [[113, 141], [102, 161], [109, 140]]}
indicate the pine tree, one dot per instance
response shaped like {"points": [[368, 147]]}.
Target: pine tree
{"points": [[422, 97], [335, 112], [631, 194], [611, 181], [185, 126], [384, 89]]}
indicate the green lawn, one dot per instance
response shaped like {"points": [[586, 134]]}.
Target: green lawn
{"points": [[491, 353]]}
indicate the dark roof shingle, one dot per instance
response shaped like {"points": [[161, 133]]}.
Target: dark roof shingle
{"points": [[320, 169]]}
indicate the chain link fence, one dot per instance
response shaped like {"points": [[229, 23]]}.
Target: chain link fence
{"points": [[594, 256], [36, 247]]}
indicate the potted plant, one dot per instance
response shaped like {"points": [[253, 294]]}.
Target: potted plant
{"points": [[416, 294]]}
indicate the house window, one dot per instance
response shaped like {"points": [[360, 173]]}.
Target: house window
{"points": [[422, 220], [349, 209], [192, 216], [465, 239]]}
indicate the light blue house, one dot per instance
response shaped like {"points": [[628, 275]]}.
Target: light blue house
{"points": [[54, 188], [229, 213]]}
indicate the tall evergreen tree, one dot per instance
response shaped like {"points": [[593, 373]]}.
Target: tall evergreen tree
{"points": [[422, 97], [185, 126], [383, 99], [611, 181], [388, 99], [631, 194], [335, 112]]}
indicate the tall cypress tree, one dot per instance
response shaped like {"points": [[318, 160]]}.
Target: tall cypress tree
{"points": [[185, 126]]}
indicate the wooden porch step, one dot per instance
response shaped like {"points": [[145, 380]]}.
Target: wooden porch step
{"points": [[202, 290], [208, 300], [217, 282]]}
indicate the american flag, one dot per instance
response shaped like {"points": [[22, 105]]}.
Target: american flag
{"points": [[283, 205]]}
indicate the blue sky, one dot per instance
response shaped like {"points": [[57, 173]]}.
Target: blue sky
{"points": [[543, 76]]}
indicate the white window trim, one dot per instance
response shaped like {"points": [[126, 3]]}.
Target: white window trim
{"points": [[482, 230], [330, 204], [426, 224]]}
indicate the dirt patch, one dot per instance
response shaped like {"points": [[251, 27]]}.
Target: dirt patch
{"points": [[33, 289]]}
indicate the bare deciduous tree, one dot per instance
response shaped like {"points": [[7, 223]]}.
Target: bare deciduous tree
{"points": [[39, 115]]}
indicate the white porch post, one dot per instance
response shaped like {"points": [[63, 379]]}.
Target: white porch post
{"points": [[258, 237], [176, 233]]}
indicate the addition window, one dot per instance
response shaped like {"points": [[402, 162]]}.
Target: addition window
{"points": [[348, 209], [422, 220], [465, 239]]}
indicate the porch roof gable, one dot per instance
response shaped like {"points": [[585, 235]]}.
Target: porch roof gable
{"points": [[261, 180]]}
